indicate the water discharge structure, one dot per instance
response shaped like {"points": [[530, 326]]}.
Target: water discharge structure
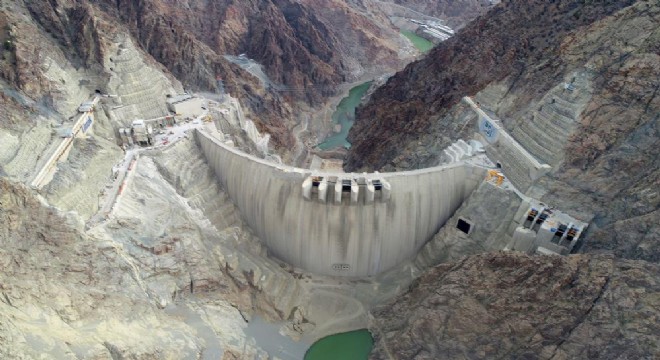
{"points": [[344, 115], [352, 345]]}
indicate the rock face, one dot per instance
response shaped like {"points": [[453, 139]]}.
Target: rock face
{"points": [[456, 13], [514, 306], [54, 275], [514, 59], [307, 48], [161, 285]]}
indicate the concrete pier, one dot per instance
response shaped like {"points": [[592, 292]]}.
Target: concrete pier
{"points": [[344, 227]]}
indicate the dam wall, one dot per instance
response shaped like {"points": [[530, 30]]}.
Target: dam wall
{"points": [[348, 231]]}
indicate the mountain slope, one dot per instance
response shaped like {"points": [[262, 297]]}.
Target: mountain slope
{"points": [[302, 52], [508, 305], [515, 58]]}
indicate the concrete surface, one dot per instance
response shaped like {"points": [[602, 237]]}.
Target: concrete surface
{"points": [[339, 239]]}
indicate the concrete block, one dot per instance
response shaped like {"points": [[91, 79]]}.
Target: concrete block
{"points": [[338, 191], [355, 190], [370, 193], [386, 191], [323, 190], [307, 188]]}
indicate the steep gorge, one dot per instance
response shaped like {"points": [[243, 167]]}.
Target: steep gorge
{"points": [[608, 166], [307, 53], [177, 242]]}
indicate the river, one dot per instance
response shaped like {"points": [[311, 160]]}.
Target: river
{"points": [[352, 345], [420, 43], [345, 116]]}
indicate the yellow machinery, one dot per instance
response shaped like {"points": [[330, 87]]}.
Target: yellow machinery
{"points": [[494, 174]]}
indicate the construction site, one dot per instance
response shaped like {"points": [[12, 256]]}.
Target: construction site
{"points": [[153, 171]]}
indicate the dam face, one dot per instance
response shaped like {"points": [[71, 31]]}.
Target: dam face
{"points": [[342, 233]]}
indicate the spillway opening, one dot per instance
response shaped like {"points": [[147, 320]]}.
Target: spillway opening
{"points": [[346, 185]]}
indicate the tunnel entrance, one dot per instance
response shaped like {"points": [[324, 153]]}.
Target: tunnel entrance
{"points": [[464, 226]]}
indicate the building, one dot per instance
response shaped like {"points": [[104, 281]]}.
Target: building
{"points": [[185, 105], [545, 230]]}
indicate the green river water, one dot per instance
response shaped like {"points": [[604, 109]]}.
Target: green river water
{"points": [[420, 43], [345, 115], [352, 345], [345, 112]]}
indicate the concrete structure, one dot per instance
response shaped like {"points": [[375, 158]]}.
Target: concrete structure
{"points": [[339, 223], [80, 128], [185, 105], [545, 230], [433, 30], [519, 165]]}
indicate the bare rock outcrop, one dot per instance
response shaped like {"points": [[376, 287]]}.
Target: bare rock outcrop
{"points": [[306, 53], [520, 53], [456, 13], [65, 295], [507, 305], [71, 294]]}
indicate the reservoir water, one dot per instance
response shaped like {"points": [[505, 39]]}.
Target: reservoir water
{"points": [[352, 345], [345, 115], [420, 43]]}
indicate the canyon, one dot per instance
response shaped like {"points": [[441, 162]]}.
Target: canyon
{"points": [[231, 234]]}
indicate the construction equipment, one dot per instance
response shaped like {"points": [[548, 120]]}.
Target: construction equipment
{"points": [[498, 176]]}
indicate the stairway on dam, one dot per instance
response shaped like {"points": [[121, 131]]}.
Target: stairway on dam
{"points": [[142, 90]]}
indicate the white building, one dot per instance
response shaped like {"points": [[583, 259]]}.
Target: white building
{"points": [[185, 105]]}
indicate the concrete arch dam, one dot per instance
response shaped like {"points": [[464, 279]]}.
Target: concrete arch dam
{"points": [[339, 223]]}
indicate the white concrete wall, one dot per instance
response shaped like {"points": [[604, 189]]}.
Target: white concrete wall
{"points": [[191, 107], [369, 238]]}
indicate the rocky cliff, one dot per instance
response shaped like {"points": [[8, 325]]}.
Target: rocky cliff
{"points": [[506, 305], [140, 287], [455, 13], [514, 59], [306, 53]]}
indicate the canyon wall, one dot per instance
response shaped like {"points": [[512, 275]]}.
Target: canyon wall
{"points": [[575, 83], [58, 51], [509, 305]]}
